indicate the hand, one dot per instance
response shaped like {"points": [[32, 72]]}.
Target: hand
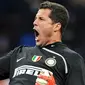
{"points": [[45, 80]]}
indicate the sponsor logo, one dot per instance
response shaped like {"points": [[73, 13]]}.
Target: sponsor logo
{"points": [[29, 70], [50, 62], [36, 58]]}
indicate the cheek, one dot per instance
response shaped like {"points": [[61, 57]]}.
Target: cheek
{"points": [[46, 32], [46, 29]]}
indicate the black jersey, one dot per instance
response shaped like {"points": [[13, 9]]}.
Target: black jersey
{"points": [[23, 65]]}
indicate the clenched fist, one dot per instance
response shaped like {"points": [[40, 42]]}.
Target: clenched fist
{"points": [[45, 80]]}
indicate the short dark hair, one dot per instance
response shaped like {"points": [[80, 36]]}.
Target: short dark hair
{"points": [[58, 13]]}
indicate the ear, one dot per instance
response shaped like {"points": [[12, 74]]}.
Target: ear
{"points": [[57, 26]]}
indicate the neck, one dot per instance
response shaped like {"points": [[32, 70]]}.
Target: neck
{"points": [[55, 38]]}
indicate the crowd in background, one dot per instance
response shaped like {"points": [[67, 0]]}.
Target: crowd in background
{"points": [[16, 24]]}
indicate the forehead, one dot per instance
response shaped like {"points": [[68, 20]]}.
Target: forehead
{"points": [[43, 12]]}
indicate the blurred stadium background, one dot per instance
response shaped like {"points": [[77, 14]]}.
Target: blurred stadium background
{"points": [[16, 18]]}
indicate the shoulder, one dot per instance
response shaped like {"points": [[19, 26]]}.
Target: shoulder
{"points": [[72, 56], [68, 53], [71, 53], [20, 49], [27, 49]]}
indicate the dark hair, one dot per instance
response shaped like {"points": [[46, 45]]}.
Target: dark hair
{"points": [[58, 13]]}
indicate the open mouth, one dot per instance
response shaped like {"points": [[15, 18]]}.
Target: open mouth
{"points": [[36, 33]]}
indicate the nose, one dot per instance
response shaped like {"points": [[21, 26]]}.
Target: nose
{"points": [[35, 23]]}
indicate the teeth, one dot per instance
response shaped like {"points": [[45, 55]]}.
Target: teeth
{"points": [[36, 38]]}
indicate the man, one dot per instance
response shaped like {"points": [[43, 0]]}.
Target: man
{"points": [[50, 62]]}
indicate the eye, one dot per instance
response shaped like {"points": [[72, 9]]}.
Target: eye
{"points": [[41, 18]]}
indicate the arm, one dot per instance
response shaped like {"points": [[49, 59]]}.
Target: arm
{"points": [[4, 67], [4, 70], [5, 63], [76, 75]]}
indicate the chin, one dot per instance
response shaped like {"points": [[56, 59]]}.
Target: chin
{"points": [[38, 44]]}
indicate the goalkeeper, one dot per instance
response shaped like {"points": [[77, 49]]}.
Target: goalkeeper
{"points": [[50, 62]]}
